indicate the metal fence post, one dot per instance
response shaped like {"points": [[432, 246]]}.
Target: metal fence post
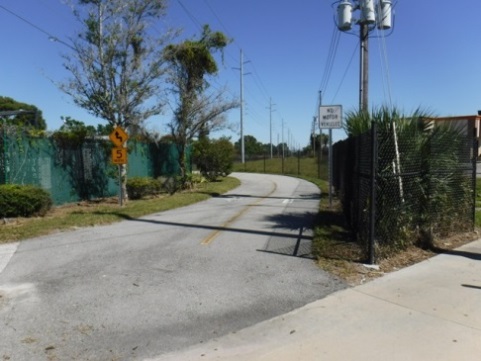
{"points": [[298, 162], [330, 168], [475, 173], [372, 210], [4, 151]]}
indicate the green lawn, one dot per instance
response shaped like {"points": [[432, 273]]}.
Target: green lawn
{"points": [[303, 167]]}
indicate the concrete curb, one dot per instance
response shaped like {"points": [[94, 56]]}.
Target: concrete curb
{"points": [[6, 253]]}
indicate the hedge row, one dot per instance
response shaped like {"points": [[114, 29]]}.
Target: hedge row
{"points": [[23, 201], [139, 187]]}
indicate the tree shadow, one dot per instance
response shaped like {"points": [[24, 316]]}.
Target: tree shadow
{"points": [[335, 240], [471, 286], [293, 221], [231, 195], [300, 226], [203, 226], [453, 252]]}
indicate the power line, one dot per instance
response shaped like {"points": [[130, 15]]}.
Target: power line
{"points": [[384, 60], [346, 71], [259, 82], [189, 14], [50, 36], [257, 78], [218, 19], [331, 56]]}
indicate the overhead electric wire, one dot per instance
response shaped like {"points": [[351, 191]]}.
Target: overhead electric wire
{"points": [[383, 71], [386, 80], [45, 32], [331, 56], [256, 77], [189, 14], [345, 72], [198, 24], [218, 19], [260, 83], [251, 112]]}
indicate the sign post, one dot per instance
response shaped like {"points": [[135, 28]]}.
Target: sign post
{"points": [[119, 153], [330, 117]]}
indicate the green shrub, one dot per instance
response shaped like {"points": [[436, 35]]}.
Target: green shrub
{"points": [[140, 187], [23, 201], [175, 184], [214, 158]]}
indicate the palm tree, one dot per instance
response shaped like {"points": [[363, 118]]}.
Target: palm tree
{"points": [[421, 188]]}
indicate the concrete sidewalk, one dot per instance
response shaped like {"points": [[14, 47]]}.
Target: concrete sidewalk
{"points": [[429, 311]]}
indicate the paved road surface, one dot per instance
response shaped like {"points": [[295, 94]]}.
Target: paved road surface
{"points": [[141, 288]]}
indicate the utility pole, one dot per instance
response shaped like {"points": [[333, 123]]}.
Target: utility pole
{"points": [[313, 134], [319, 158], [320, 131], [242, 108], [282, 139], [242, 105], [270, 122], [364, 66], [372, 13], [288, 141], [277, 147]]}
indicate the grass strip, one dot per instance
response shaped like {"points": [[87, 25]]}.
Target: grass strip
{"points": [[87, 214]]}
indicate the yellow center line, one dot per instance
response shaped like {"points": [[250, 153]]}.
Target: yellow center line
{"points": [[210, 238]]}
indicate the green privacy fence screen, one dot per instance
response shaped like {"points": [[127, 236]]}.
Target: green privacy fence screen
{"points": [[79, 172]]}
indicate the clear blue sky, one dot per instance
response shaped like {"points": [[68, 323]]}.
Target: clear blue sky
{"points": [[433, 60]]}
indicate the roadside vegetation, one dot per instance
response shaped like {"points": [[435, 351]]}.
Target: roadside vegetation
{"points": [[107, 211], [333, 245], [121, 73]]}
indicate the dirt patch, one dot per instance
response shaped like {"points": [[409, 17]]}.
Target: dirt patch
{"points": [[344, 259]]}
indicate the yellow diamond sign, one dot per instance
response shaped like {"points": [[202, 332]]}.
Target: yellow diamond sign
{"points": [[118, 136]]}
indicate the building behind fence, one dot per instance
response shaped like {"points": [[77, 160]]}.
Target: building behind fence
{"points": [[79, 172], [401, 184]]}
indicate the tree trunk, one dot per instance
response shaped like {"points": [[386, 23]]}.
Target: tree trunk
{"points": [[182, 165]]}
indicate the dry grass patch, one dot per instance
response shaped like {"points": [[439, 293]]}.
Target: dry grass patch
{"points": [[337, 253]]}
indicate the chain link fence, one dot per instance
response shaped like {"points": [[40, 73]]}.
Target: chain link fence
{"points": [[79, 172], [407, 183]]}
